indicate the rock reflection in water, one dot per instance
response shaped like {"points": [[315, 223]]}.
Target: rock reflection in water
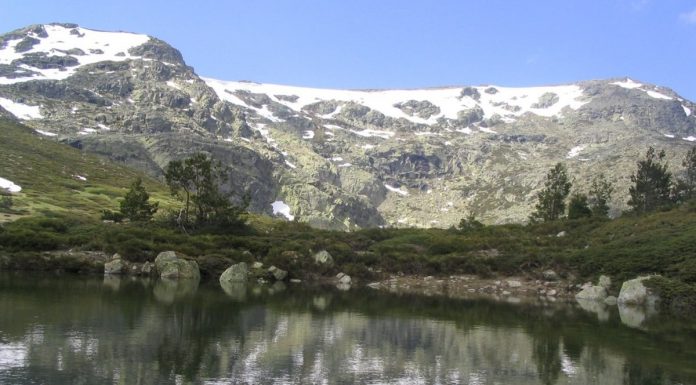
{"points": [[169, 290], [177, 332]]}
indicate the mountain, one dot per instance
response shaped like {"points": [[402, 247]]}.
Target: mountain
{"points": [[336, 158]]}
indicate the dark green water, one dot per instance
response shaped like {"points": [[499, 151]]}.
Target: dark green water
{"points": [[74, 330]]}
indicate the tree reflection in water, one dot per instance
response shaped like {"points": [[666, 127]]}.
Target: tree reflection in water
{"points": [[76, 330]]}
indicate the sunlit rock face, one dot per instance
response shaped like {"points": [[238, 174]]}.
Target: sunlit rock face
{"points": [[337, 158]]}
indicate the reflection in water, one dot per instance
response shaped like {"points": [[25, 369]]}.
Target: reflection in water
{"points": [[84, 331]]}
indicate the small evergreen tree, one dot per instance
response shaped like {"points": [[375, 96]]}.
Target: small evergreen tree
{"points": [[652, 183], [600, 195], [578, 207], [6, 203], [136, 205], [685, 188], [470, 223], [552, 198]]}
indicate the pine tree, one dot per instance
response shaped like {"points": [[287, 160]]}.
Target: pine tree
{"points": [[600, 195], [196, 180], [686, 186], [652, 183], [578, 207], [552, 198], [136, 205]]}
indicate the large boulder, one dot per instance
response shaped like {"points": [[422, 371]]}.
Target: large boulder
{"points": [[116, 266], [604, 281], [592, 293], [236, 273], [278, 274], [344, 278], [634, 292], [550, 275], [172, 265], [323, 258]]}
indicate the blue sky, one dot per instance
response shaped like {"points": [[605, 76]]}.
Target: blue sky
{"points": [[404, 44]]}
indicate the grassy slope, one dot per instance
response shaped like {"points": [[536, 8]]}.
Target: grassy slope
{"points": [[47, 172]]}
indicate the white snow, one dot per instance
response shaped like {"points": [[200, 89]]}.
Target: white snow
{"points": [[465, 130], [308, 134], [280, 207], [658, 95], [396, 190], [87, 131], [345, 165], [671, 136], [45, 133], [173, 85], [287, 162], [690, 138], [687, 110], [80, 177], [575, 151], [9, 185], [21, 111], [333, 127], [486, 129], [337, 159], [60, 39], [447, 99], [628, 83], [374, 133], [368, 146], [104, 127]]}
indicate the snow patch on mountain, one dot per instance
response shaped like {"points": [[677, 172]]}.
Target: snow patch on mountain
{"points": [[397, 190], [281, 208], [96, 46], [628, 83], [657, 95], [687, 110], [575, 151], [9, 185], [45, 133], [374, 133], [21, 111]]}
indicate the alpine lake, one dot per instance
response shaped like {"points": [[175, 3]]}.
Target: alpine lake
{"points": [[68, 329]]}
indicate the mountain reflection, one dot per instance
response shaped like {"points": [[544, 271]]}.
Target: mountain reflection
{"points": [[75, 330]]}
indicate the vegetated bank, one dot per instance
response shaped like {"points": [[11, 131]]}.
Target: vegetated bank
{"points": [[661, 243]]}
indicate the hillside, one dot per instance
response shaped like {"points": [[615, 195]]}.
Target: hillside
{"points": [[55, 178], [337, 159]]}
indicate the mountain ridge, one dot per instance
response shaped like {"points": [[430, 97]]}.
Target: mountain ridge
{"points": [[337, 158]]}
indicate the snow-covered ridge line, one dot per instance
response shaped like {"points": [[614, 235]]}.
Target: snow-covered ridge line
{"points": [[507, 102], [96, 46]]}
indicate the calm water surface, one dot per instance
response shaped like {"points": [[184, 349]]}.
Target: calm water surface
{"points": [[75, 330]]}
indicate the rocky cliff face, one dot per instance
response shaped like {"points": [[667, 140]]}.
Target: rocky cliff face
{"points": [[333, 158]]}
